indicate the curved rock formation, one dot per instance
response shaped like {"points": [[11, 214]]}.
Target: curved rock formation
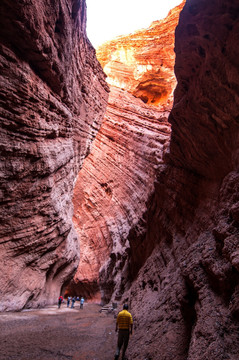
{"points": [[117, 178], [167, 217], [143, 62], [188, 286], [53, 96], [114, 184], [178, 264]]}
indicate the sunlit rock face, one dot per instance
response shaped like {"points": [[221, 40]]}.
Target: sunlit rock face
{"points": [[114, 185], [53, 95], [143, 62], [184, 295], [116, 180]]}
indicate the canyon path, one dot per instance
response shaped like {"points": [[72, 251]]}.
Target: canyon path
{"points": [[52, 333]]}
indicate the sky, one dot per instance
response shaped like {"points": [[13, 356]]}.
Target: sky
{"points": [[107, 19]]}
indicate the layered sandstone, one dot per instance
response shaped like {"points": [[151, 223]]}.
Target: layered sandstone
{"points": [[53, 95], [188, 286], [116, 181], [142, 63], [114, 185], [178, 267]]}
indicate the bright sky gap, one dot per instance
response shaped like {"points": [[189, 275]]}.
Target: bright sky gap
{"points": [[107, 19]]}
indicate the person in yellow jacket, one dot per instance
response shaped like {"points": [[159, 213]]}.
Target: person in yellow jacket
{"points": [[124, 324]]}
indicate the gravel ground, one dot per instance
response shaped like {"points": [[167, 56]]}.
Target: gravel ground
{"points": [[59, 334]]}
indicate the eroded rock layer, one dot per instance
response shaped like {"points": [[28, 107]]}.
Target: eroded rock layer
{"points": [[117, 178], [184, 296], [114, 185], [53, 95], [143, 62]]}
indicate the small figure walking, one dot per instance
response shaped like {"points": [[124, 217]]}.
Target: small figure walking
{"points": [[60, 300], [124, 324], [82, 300], [73, 302], [68, 301]]}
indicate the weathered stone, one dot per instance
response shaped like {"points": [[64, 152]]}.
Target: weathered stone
{"points": [[185, 294], [143, 62], [53, 96], [170, 229], [177, 266], [116, 180]]}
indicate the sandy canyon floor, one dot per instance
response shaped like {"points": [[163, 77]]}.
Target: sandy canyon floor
{"points": [[58, 334]]}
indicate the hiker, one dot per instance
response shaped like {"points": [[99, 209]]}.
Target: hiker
{"points": [[124, 324], [82, 300], [68, 301], [73, 302], [60, 300]]}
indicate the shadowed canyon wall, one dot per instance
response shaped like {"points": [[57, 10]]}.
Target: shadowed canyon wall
{"points": [[185, 296], [117, 178], [177, 265], [160, 221], [53, 96]]}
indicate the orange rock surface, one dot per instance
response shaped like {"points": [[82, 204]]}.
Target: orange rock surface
{"points": [[143, 62], [177, 265]]}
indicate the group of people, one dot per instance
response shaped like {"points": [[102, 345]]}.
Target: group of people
{"points": [[71, 300]]}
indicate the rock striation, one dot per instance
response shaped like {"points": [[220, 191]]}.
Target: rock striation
{"points": [[188, 285], [116, 180], [158, 217], [53, 96], [142, 63], [113, 186], [177, 265]]}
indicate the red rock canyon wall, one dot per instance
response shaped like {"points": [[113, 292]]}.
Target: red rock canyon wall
{"points": [[177, 264], [114, 184], [143, 62], [160, 223], [184, 298], [53, 96], [117, 178]]}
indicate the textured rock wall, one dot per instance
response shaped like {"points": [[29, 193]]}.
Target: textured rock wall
{"points": [[113, 187], [184, 296], [143, 62], [53, 95], [117, 178]]}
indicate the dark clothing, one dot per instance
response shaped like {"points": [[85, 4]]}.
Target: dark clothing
{"points": [[124, 324], [123, 339], [60, 300], [73, 302]]}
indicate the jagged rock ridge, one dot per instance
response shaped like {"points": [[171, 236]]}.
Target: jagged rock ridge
{"points": [[53, 96]]}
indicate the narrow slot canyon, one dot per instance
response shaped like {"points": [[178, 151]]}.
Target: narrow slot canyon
{"points": [[120, 182]]}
